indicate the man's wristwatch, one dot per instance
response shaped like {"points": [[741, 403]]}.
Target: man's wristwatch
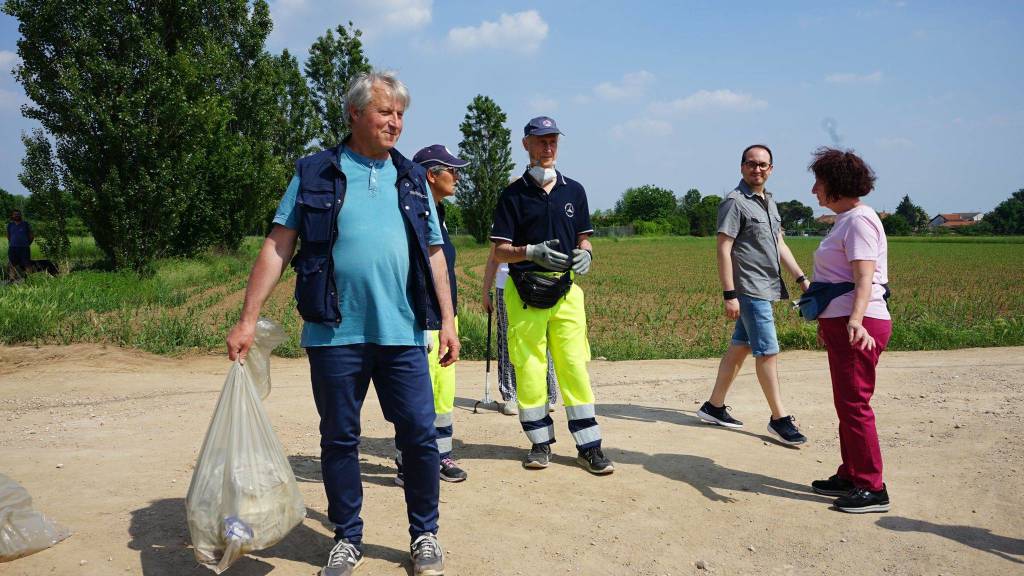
{"points": [[801, 279], [728, 294]]}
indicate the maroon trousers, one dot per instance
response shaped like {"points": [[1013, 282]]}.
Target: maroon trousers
{"points": [[853, 384]]}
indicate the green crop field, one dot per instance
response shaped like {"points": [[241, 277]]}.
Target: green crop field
{"points": [[646, 298]]}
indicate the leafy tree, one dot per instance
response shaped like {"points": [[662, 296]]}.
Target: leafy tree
{"points": [[896, 225], [912, 213], [487, 146], [690, 200], [704, 216], [453, 217], [298, 122], [794, 214], [49, 201], [1008, 216], [162, 117], [648, 203], [333, 61], [9, 203]]}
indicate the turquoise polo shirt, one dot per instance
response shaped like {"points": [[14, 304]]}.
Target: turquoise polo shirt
{"points": [[371, 258]]}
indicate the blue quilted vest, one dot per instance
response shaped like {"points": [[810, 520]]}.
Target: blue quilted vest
{"points": [[318, 202]]}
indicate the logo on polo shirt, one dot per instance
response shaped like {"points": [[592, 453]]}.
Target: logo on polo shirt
{"points": [[569, 210]]}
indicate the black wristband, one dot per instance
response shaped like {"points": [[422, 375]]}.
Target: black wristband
{"points": [[728, 294], [801, 279]]}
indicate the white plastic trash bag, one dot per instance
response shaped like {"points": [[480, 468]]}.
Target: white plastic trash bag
{"points": [[243, 496], [24, 531], [268, 336]]}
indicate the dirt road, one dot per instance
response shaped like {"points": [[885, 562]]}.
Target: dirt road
{"points": [[105, 439]]}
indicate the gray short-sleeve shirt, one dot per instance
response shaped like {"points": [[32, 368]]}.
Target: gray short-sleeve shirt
{"points": [[756, 270]]}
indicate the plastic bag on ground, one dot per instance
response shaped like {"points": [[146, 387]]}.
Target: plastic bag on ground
{"points": [[243, 496], [24, 531]]}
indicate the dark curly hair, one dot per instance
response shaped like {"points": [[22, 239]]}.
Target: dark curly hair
{"points": [[844, 174]]}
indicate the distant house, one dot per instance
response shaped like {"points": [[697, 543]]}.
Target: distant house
{"points": [[955, 219], [883, 215], [827, 219]]}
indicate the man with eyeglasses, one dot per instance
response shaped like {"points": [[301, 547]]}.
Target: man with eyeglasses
{"points": [[751, 253], [542, 229]]}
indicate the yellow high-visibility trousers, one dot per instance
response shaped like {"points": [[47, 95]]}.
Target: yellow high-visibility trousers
{"points": [[443, 381], [562, 329]]}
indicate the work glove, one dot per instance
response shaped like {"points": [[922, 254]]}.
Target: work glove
{"points": [[581, 261], [545, 256]]}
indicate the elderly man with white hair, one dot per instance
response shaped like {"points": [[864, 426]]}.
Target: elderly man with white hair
{"points": [[371, 277]]}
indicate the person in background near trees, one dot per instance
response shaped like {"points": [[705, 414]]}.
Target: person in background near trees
{"points": [[19, 243], [371, 277], [538, 215], [855, 326], [442, 173], [751, 254], [496, 274]]}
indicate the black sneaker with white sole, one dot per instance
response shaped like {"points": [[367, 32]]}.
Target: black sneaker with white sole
{"points": [[594, 460], [450, 471], [786, 431], [861, 500], [718, 415], [539, 457], [834, 486]]}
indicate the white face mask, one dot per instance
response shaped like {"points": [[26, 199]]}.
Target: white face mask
{"points": [[541, 175]]}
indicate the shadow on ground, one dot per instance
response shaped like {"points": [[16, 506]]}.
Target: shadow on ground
{"points": [[160, 533], [638, 413], [980, 538]]}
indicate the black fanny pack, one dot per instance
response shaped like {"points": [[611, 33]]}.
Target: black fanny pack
{"points": [[541, 290], [820, 294]]}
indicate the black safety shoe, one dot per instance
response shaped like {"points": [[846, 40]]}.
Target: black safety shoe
{"points": [[713, 415], [861, 500], [786, 431], [450, 471], [834, 486], [594, 460]]}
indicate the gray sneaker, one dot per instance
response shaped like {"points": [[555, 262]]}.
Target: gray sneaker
{"points": [[427, 556], [539, 456], [343, 560], [508, 408]]}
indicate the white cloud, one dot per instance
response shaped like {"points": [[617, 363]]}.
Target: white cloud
{"points": [[703, 100], [297, 23], [641, 128], [632, 85], [8, 60], [11, 100], [522, 31], [850, 78], [894, 143], [543, 104]]}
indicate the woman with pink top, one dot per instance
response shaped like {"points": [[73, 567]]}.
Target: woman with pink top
{"points": [[854, 326]]}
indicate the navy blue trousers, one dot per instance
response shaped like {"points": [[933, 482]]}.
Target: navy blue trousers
{"points": [[341, 376]]}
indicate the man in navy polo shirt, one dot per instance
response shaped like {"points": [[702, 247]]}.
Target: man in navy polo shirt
{"points": [[542, 229], [371, 277]]}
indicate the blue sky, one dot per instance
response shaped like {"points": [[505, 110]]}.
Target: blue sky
{"points": [[669, 93]]}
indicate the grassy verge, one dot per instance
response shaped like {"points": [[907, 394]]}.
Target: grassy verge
{"points": [[646, 298]]}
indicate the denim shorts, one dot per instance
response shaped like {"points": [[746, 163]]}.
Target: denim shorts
{"points": [[756, 327]]}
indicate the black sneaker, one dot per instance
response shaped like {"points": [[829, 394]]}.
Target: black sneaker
{"points": [[344, 558], [539, 456], [834, 486], [593, 459], [712, 415], [861, 500], [450, 471], [399, 477], [786, 431]]}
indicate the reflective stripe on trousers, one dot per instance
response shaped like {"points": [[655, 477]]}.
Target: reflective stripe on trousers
{"points": [[562, 329]]}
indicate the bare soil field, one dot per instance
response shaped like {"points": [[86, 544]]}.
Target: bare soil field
{"points": [[105, 440]]}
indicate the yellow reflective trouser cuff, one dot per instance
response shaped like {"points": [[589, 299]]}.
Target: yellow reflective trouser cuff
{"points": [[443, 381]]}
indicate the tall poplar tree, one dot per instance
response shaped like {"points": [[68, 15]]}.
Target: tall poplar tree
{"points": [[487, 146], [333, 61]]}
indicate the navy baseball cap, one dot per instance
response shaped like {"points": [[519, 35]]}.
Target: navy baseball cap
{"points": [[438, 155], [540, 126]]}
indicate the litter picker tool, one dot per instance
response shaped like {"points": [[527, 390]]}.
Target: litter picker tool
{"points": [[487, 402]]}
